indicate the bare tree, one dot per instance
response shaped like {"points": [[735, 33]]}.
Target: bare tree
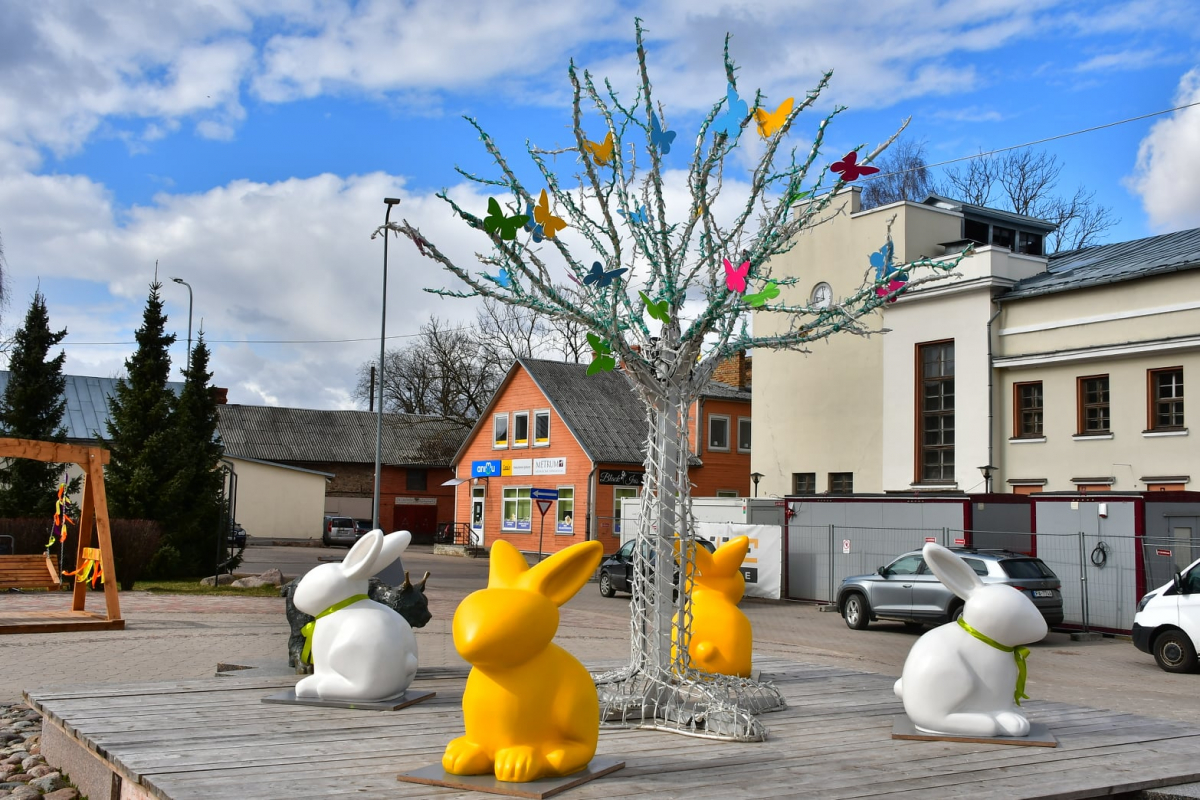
{"points": [[1024, 182], [902, 176]]}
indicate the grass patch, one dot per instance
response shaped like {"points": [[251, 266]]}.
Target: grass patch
{"points": [[194, 587]]}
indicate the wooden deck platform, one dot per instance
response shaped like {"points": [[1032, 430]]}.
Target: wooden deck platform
{"points": [[56, 621], [215, 738]]}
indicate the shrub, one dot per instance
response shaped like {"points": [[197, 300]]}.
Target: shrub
{"points": [[135, 542]]}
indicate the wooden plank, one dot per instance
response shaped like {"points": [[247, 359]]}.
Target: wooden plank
{"points": [[52, 451], [56, 622]]}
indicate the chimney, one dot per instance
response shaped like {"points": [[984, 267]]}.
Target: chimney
{"points": [[734, 371], [220, 395]]}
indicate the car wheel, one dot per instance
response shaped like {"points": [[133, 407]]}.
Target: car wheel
{"points": [[1174, 652], [855, 612], [956, 612], [325, 540], [606, 587]]}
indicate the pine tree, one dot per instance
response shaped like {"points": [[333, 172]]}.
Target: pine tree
{"points": [[139, 419], [191, 496], [32, 408]]}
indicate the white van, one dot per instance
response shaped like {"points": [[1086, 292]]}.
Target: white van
{"points": [[1167, 623]]}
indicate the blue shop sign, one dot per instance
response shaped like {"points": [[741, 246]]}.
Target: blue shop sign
{"points": [[485, 469]]}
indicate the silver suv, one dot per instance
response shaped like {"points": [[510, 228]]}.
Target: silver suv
{"points": [[339, 530], [907, 590]]}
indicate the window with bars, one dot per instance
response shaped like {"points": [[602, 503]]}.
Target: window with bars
{"points": [[804, 483], [1028, 403], [1094, 411], [935, 417], [841, 483], [1166, 399]]}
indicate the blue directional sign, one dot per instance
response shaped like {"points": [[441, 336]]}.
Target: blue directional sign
{"points": [[485, 469], [543, 494]]}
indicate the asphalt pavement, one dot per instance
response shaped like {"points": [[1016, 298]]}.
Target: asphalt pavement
{"points": [[176, 637]]}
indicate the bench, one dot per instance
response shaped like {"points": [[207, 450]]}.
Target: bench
{"points": [[29, 572]]}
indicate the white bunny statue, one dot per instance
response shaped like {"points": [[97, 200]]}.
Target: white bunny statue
{"points": [[967, 678], [361, 650]]}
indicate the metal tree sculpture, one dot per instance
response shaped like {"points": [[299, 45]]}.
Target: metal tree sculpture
{"points": [[695, 273]]}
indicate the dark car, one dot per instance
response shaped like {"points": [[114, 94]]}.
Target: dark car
{"points": [[362, 526], [616, 571], [237, 536], [908, 591]]}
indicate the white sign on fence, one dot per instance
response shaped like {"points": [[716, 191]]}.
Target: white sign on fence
{"points": [[845, 547]]}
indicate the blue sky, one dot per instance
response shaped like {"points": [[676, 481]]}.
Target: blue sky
{"points": [[246, 145]]}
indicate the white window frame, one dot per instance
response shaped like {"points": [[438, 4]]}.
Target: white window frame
{"points": [[515, 496], [516, 416], [744, 448], [496, 444], [728, 432], [543, 412], [558, 511]]}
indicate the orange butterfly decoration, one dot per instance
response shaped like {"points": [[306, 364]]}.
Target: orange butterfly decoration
{"points": [[542, 216], [771, 121], [602, 152]]}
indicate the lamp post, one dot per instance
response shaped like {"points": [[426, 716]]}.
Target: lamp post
{"points": [[189, 346], [756, 477], [987, 471], [389, 202]]}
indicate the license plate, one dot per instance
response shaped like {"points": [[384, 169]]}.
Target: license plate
{"points": [[1043, 593]]}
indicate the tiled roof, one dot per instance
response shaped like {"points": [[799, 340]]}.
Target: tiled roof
{"points": [[297, 434], [87, 404], [1113, 263]]}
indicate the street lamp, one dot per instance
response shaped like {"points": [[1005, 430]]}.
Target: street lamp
{"points": [[389, 201], [987, 471], [189, 349], [756, 477]]}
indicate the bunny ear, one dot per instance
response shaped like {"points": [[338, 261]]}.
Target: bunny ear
{"points": [[703, 559], [729, 556], [563, 574], [506, 565], [393, 545], [951, 570], [359, 562]]}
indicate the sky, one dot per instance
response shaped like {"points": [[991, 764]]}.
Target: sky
{"points": [[246, 146]]}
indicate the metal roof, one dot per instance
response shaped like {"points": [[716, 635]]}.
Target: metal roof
{"points": [[270, 433], [87, 404], [1019, 220], [1113, 263]]}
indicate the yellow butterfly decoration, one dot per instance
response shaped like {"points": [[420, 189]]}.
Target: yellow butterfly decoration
{"points": [[542, 216], [771, 121], [602, 152]]}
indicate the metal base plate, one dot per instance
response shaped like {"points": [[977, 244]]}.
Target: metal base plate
{"points": [[434, 775], [1039, 735], [396, 703]]}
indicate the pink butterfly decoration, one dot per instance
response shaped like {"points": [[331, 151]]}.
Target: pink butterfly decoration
{"points": [[735, 277], [850, 169]]}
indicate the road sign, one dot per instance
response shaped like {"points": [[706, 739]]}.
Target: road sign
{"points": [[544, 494], [544, 505]]}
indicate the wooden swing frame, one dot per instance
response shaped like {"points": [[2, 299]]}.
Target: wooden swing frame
{"points": [[94, 509]]}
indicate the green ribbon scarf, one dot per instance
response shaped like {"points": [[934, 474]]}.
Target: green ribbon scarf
{"points": [[1019, 654], [307, 630]]}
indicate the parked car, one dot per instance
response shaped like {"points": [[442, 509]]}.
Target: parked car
{"points": [[1167, 622], [616, 571], [339, 530], [908, 591], [237, 536], [362, 526]]}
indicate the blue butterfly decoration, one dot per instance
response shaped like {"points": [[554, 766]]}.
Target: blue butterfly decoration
{"points": [[532, 226], [882, 261], [885, 270], [502, 279], [658, 137], [641, 215], [601, 278], [730, 123]]}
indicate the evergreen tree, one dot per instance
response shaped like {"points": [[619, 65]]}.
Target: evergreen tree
{"points": [[191, 494], [139, 421], [32, 408]]}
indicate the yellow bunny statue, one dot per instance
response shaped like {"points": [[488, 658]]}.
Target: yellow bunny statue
{"points": [[530, 708], [722, 638]]}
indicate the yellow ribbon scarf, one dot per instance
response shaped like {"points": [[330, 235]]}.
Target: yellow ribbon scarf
{"points": [[1019, 654], [307, 630]]}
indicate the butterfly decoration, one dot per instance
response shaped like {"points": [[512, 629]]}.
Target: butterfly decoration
{"points": [[886, 270], [735, 277], [637, 216], [549, 223], [496, 221], [602, 152], [798, 197], [850, 169], [501, 280], [604, 360], [771, 121], [660, 311], [531, 226], [769, 292], [658, 137], [601, 278], [730, 123]]}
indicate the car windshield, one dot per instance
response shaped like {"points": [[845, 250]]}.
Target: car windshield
{"points": [[1026, 568]]}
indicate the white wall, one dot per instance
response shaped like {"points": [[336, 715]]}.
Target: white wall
{"points": [[279, 502]]}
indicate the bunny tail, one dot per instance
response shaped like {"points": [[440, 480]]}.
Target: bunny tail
{"points": [[898, 689]]}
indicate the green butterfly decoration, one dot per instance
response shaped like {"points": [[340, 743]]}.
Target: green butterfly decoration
{"points": [[769, 292], [798, 196], [605, 361], [660, 311], [496, 221]]}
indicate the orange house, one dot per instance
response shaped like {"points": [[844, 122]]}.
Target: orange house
{"points": [[550, 426]]}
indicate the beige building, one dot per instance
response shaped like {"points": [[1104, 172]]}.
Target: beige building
{"points": [[278, 501], [1076, 341]]}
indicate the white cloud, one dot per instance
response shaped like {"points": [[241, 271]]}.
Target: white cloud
{"points": [[1169, 161]]}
